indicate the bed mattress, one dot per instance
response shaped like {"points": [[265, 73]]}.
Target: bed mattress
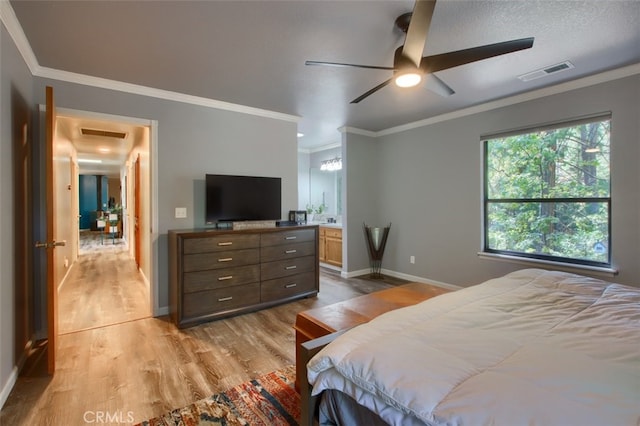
{"points": [[534, 347]]}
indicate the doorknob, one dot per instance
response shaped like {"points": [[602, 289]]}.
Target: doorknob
{"points": [[52, 244]]}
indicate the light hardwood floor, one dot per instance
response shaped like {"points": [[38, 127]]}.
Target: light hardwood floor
{"points": [[103, 288], [140, 368]]}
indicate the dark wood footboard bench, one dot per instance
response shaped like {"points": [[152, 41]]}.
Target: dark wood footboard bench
{"points": [[315, 328]]}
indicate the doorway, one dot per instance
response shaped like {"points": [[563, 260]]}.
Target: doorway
{"points": [[103, 285]]}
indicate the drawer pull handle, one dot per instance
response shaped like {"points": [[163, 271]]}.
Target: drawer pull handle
{"points": [[228, 277], [291, 251], [291, 237], [225, 259], [290, 267], [291, 285], [225, 299], [226, 243]]}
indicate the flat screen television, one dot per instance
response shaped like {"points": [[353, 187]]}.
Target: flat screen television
{"points": [[238, 198]]}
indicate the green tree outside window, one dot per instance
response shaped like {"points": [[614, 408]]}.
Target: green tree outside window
{"points": [[547, 193]]}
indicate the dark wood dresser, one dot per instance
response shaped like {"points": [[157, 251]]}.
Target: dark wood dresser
{"points": [[218, 273]]}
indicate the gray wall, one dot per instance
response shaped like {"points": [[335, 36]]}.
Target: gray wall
{"points": [[15, 95], [429, 185], [303, 179], [363, 198]]}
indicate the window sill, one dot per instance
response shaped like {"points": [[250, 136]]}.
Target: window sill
{"points": [[559, 265]]}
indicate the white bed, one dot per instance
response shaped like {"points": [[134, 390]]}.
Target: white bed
{"points": [[531, 348]]}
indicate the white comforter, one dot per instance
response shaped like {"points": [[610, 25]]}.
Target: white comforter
{"points": [[532, 348]]}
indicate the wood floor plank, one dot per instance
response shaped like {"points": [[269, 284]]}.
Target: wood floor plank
{"points": [[144, 367]]}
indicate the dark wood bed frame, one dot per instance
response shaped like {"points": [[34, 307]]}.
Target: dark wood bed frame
{"points": [[308, 403]]}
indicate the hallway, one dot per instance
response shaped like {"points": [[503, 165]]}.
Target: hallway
{"points": [[103, 288]]}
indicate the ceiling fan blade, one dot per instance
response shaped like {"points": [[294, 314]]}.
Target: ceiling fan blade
{"points": [[417, 31], [338, 64], [445, 61], [433, 83], [371, 92]]}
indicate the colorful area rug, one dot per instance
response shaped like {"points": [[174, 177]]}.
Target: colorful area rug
{"points": [[270, 400]]}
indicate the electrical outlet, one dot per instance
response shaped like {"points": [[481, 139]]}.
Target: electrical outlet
{"points": [[181, 212], [412, 259]]}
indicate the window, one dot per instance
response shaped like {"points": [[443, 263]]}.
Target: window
{"points": [[547, 193]]}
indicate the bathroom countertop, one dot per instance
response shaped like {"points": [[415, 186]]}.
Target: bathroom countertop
{"points": [[326, 224]]}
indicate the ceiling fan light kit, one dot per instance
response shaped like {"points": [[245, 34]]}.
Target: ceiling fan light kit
{"points": [[408, 78], [410, 67]]}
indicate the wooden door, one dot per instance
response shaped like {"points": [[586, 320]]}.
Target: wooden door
{"points": [[333, 247], [50, 244], [75, 208], [136, 212], [22, 208], [321, 245]]}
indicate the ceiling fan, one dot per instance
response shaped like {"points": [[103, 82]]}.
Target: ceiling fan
{"points": [[410, 67]]}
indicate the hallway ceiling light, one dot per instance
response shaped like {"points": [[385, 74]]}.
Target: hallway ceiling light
{"points": [[89, 160]]}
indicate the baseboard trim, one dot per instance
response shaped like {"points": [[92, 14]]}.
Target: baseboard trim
{"points": [[161, 311], [8, 386], [353, 274], [403, 276], [415, 278], [332, 267], [13, 377]]}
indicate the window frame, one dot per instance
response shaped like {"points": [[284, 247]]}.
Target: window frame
{"points": [[486, 201]]}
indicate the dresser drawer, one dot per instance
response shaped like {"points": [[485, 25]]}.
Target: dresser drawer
{"points": [[220, 278], [212, 301], [283, 288], [220, 259], [220, 243], [288, 251], [287, 237], [285, 268]]}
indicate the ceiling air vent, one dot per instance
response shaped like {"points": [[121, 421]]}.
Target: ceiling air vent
{"points": [[552, 69], [103, 133]]}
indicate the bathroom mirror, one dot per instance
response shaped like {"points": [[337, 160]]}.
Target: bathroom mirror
{"points": [[325, 187]]}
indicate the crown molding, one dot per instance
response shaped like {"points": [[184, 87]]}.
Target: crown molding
{"points": [[314, 149], [325, 147], [356, 131], [136, 89], [512, 100]]}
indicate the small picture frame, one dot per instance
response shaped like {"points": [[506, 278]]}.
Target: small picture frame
{"points": [[298, 216]]}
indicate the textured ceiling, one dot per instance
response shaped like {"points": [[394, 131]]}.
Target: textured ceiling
{"points": [[253, 52]]}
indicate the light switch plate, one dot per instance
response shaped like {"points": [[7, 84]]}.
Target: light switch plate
{"points": [[181, 212]]}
